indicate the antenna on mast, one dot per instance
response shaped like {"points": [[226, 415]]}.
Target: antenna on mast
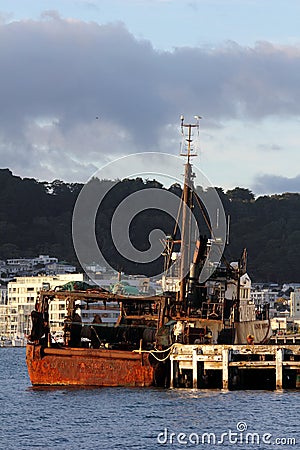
{"points": [[188, 136]]}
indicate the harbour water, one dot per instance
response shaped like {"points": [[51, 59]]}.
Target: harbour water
{"points": [[116, 418]]}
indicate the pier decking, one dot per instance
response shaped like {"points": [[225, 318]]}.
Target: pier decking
{"points": [[235, 366]]}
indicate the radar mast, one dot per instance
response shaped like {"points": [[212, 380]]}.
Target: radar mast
{"points": [[187, 198]]}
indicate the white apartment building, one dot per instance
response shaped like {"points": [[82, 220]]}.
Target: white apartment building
{"points": [[3, 294], [41, 259], [259, 297], [295, 303], [15, 317], [26, 265], [61, 267]]}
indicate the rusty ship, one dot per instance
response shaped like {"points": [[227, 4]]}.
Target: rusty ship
{"points": [[212, 310]]}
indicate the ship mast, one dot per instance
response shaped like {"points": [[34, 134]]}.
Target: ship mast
{"points": [[188, 152]]}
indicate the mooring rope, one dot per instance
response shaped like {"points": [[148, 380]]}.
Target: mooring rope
{"points": [[153, 352]]}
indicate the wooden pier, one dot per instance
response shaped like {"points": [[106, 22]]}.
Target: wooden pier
{"points": [[235, 366]]}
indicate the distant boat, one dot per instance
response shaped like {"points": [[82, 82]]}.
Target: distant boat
{"points": [[19, 341], [4, 342], [16, 341]]}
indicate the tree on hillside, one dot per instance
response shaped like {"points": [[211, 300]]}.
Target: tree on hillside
{"points": [[240, 195]]}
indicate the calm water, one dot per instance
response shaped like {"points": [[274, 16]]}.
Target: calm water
{"points": [[115, 418]]}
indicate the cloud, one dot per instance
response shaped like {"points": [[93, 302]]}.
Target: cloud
{"points": [[270, 184], [271, 147], [58, 75]]}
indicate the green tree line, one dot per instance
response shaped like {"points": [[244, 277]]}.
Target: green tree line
{"points": [[36, 218]]}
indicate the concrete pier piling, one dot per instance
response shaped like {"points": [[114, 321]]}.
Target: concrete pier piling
{"points": [[279, 366], [225, 368], [235, 366]]}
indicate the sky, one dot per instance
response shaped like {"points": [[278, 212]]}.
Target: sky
{"points": [[84, 82]]}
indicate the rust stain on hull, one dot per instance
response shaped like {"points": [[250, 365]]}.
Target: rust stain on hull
{"points": [[88, 367]]}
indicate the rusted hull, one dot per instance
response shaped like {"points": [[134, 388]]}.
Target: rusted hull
{"points": [[87, 367]]}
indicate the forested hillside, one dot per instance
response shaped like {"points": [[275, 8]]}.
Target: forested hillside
{"points": [[36, 217]]}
